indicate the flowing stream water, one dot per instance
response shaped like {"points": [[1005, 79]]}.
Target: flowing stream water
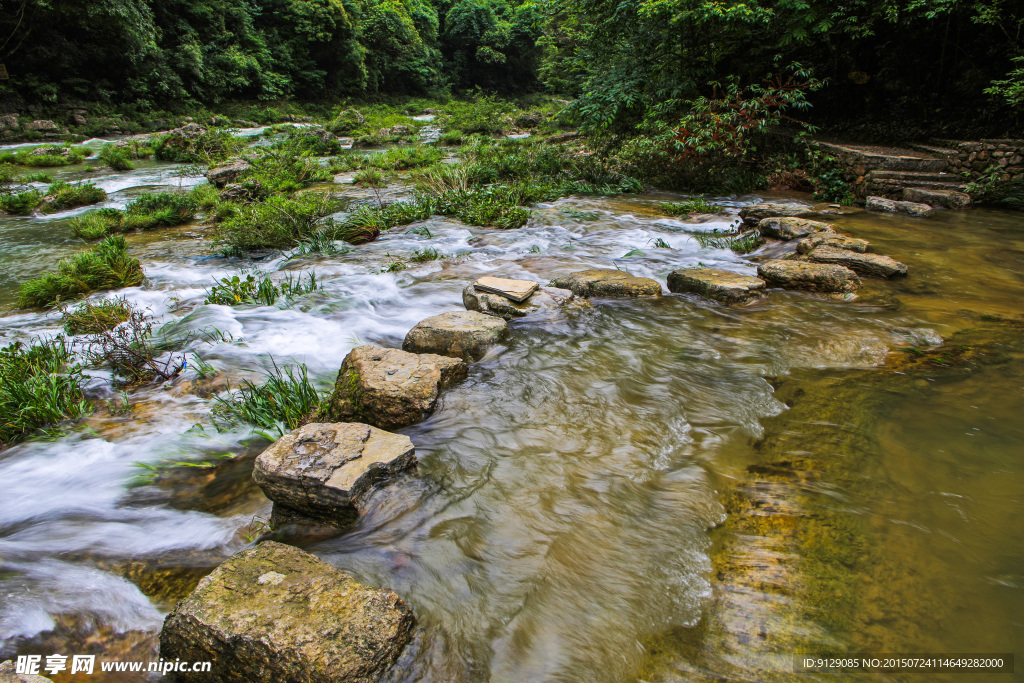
{"points": [[657, 490]]}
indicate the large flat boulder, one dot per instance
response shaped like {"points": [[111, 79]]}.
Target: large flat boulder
{"points": [[784, 228], [752, 214], [544, 298], [274, 613], [608, 283], [816, 277], [516, 290], [390, 388], [884, 205], [222, 176], [951, 199], [460, 334], [871, 265], [322, 470], [721, 285], [831, 239]]}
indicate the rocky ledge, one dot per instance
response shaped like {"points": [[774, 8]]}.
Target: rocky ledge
{"points": [[720, 285], [321, 471], [608, 283], [390, 388], [461, 334], [276, 613]]}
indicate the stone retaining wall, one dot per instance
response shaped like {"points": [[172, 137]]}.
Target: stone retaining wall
{"points": [[974, 158]]}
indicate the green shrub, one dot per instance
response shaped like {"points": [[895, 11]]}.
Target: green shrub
{"points": [[38, 177], [94, 317], [279, 222], [40, 385], [280, 404], [208, 147], [116, 158], [106, 266], [46, 156], [698, 205], [282, 169], [257, 287], [146, 212], [21, 203], [61, 195], [482, 115], [347, 121]]}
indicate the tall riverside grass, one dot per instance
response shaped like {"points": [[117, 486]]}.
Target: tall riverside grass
{"points": [[40, 386], [107, 266], [282, 403]]}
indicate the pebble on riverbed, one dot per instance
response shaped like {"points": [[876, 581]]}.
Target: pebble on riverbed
{"points": [[321, 471], [720, 285], [390, 388], [460, 334], [277, 613]]}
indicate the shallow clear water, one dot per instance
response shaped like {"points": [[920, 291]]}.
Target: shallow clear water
{"points": [[655, 489]]}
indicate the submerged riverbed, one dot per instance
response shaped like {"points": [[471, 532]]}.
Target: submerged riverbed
{"points": [[659, 490]]}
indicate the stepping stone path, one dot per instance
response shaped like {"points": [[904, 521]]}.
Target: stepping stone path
{"points": [[276, 613], [871, 265], [892, 206], [816, 277], [390, 388], [462, 334], [831, 239], [720, 285], [321, 471], [505, 298], [607, 283], [791, 228]]}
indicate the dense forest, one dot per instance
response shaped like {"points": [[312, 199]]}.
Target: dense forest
{"points": [[935, 63]]}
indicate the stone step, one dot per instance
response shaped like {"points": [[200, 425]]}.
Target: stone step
{"points": [[951, 199], [873, 157], [935, 149], [900, 183], [916, 176]]}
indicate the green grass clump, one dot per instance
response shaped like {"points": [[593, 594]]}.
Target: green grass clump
{"points": [[257, 287], [95, 317], [741, 244], [20, 203], [40, 386], [37, 177], [46, 157], [486, 115], [61, 195], [277, 406], [698, 205], [280, 222], [147, 212], [106, 266], [209, 147], [370, 177], [283, 168]]}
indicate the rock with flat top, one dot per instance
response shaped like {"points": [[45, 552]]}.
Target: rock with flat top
{"points": [[545, 298], [323, 470], [608, 283], [221, 176], [9, 674], [720, 285], [752, 214], [390, 388], [892, 206], [871, 265], [277, 613], [951, 199], [816, 277], [515, 290], [831, 239], [790, 228], [461, 334]]}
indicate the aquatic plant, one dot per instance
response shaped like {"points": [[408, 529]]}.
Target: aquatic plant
{"points": [[47, 156], [20, 203], [206, 147], [62, 195], [280, 404], [106, 266], [146, 212], [281, 168], [741, 244], [280, 222], [40, 385], [257, 287], [92, 317]]}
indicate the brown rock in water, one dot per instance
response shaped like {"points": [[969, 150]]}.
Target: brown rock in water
{"points": [[752, 214], [608, 283], [892, 206], [816, 277], [497, 305], [277, 614], [390, 388], [224, 175], [460, 334], [719, 285], [516, 290], [322, 470], [790, 228], [831, 239], [871, 265]]}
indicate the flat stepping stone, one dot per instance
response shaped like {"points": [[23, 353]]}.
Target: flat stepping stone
{"points": [[816, 277], [752, 214], [461, 334], [322, 470], [790, 228], [390, 388], [871, 265], [277, 613], [516, 290], [892, 206], [720, 285], [608, 283], [831, 239], [545, 298]]}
